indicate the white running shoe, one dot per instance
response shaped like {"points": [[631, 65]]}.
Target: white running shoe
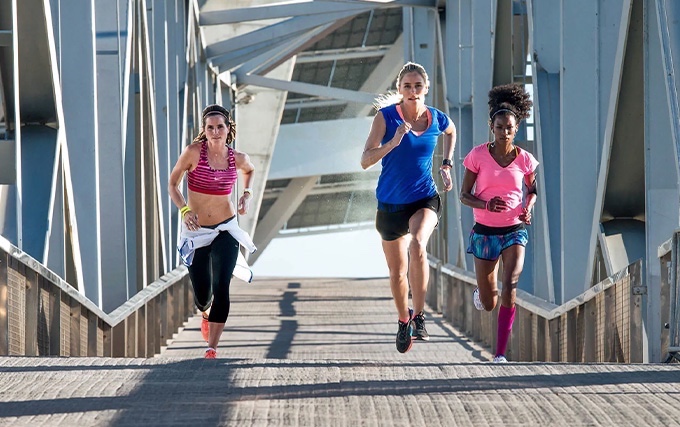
{"points": [[475, 299], [500, 359]]}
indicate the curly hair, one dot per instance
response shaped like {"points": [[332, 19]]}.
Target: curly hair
{"points": [[216, 110], [394, 97], [509, 99]]}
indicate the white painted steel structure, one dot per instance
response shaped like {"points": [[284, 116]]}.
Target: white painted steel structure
{"points": [[99, 97]]}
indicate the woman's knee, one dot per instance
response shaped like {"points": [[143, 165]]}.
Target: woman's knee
{"points": [[417, 248], [398, 274], [202, 306], [219, 314], [489, 299]]}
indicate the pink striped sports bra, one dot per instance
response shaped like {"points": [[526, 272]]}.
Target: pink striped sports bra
{"points": [[206, 180]]}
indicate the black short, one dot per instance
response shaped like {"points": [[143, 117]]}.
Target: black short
{"points": [[391, 221]]}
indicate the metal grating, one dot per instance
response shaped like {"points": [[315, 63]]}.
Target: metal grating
{"points": [[371, 29], [16, 301]]}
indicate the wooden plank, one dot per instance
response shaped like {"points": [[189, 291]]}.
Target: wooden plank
{"points": [[4, 306], [610, 332], [636, 327], [31, 312], [92, 333], [572, 335], [74, 328], [542, 339], [131, 335], [591, 327], [141, 332], [156, 325], [118, 341], [171, 312], [164, 333], [55, 319], [527, 336], [65, 324], [107, 340], [44, 317]]}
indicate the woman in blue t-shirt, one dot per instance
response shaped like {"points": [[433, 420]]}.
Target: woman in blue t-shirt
{"points": [[403, 136]]}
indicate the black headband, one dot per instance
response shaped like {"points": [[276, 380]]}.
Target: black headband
{"points": [[215, 109]]}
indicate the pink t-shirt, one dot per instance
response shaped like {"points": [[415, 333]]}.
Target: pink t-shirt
{"points": [[494, 180]]}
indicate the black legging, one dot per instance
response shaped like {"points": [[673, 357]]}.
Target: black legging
{"points": [[210, 274]]}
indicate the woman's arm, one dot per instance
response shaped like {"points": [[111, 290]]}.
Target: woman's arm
{"points": [[185, 163], [449, 146], [246, 167], [466, 196], [373, 151], [449, 141], [530, 182]]}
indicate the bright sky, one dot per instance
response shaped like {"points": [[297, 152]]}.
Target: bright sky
{"points": [[341, 254]]}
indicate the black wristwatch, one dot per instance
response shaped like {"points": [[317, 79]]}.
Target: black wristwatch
{"points": [[447, 162]]}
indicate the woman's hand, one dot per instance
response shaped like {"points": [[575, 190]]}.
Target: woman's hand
{"points": [[244, 204], [525, 216], [445, 172], [190, 220], [402, 130], [496, 204]]}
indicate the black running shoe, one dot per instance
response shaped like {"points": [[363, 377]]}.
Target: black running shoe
{"points": [[404, 337], [419, 330]]}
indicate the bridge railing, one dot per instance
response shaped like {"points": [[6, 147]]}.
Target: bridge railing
{"points": [[668, 254], [603, 324], [42, 315]]}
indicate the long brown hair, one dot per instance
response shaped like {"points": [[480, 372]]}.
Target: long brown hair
{"points": [[216, 110]]}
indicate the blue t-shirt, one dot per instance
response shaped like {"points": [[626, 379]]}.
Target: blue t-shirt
{"points": [[406, 174]]}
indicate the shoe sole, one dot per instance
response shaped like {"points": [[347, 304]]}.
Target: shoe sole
{"points": [[410, 344]]}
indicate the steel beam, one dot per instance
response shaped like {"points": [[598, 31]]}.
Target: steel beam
{"points": [[110, 36], [77, 47], [293, 26], [306, 88], [662, 176], [301, 8]]}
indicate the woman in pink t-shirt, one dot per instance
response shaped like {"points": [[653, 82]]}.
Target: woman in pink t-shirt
{"points": [[495, 175]]}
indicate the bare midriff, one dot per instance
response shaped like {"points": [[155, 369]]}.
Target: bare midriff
{"points": [[211, 209]]}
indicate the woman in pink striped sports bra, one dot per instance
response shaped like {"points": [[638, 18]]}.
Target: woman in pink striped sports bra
{"points": [[212, 167]]}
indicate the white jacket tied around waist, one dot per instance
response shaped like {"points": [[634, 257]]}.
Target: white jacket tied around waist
{"points": [[190, 240]]}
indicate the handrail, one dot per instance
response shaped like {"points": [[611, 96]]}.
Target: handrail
{"points": [[41, 314], [603, 324]]}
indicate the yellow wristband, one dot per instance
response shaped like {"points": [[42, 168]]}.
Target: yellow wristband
{"points": [[184, 210]]}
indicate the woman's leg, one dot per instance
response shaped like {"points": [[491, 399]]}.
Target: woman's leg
{"points": [[397, 263], [487, 282], [421, 226], [224, 254], [513, 263], [199, 272]]}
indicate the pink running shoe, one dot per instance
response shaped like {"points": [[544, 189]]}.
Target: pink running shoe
{"points": [[205, 328], [210, 354]]}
